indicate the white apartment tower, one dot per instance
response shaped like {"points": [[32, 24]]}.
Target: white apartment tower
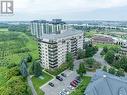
{"points": [[40, 27], [54, 47]]}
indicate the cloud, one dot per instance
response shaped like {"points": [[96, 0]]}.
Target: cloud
{"points": [[50, 8]]}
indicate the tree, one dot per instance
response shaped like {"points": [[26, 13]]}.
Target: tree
{"points": [[81, 54], [90, 62], [90, 51], [112, 71], [105, 68], [12, 72], [36, 69], [29, 58], [109, 57], [105, 49], [70, 60], [122, 63], [15, 86], [120, 72], [81, 70], [23, 68]]}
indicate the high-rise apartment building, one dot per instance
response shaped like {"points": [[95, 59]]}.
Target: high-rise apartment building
{"points": [[40, 27], [54, 47]]}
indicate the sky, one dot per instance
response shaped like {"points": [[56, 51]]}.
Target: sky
{"points": [[68, 10]]}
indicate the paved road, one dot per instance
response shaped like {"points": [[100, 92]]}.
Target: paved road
{"points": [[99, 58], [31, 85]]}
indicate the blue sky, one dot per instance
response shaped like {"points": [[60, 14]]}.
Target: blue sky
{"points": [[68, 10]]}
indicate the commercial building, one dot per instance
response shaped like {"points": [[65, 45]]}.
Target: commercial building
{"points": [[104, 83], [102, 39], [40, 27], [54, 47]]}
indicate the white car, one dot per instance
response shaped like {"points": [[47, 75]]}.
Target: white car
{"points": [[66, 91], [70, 87]]}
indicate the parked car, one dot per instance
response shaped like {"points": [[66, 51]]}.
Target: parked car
{"points": [[70, 87], [78, 78], [62, 93], [66, 91], [72, 84], [63, 74], [59, 78], [77, 81], [51, 84]]}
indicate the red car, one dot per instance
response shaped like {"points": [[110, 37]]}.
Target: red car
{"points": [[72, 84]]}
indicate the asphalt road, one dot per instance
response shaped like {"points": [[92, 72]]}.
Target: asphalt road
{"points": [[99, 58]]}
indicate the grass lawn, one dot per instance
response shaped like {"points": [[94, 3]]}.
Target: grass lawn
{"points": [[90, 34], [3, 29], [37, 82], [99, 45], [81, 88]]}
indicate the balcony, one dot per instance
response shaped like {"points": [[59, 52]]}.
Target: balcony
{"points": [[53, 66], [53, 60], [52, 50]]}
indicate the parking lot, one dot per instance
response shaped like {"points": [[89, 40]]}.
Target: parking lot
{"points": [[59, 85]]}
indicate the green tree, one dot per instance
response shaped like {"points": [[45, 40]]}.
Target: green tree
{"points": [[112, 71], [15, 86], [12, 72], [70, 60], [90, 51], [105, 49], [29, 58], [109, 57], [90, 61], [120, 72], [105, 69], [23, 68], [36, 69], [81, 54], [122, 63], [81, 70]]}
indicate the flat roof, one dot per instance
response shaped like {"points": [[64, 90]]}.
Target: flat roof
{"points": [[63, 34]]}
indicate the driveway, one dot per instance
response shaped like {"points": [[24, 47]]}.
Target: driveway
{"points": [[99, 58], [59, 85]]}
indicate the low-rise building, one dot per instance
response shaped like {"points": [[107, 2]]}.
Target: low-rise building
{"points": [[102, 39], [104, 83]]}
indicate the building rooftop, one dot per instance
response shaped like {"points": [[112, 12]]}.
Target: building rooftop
{"points": [[54, 21], [106, 84], [63, 34]]}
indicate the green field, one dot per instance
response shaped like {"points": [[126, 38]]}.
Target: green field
{"points": [[99, 45], [38, 82], [14, 46], [81, 88], [90, 34]]}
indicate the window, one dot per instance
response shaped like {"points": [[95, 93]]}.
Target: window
{"points": [[80, 37]]}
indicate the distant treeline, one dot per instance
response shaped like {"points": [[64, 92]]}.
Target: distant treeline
{"points": [[4, 25], [18, 27]]}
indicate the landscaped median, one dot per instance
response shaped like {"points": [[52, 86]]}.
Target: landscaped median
{"points": [[82, 86], [38, 82]]}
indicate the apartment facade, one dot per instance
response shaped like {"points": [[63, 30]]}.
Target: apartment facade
{"points": [[54, 47], [40, 27]]}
